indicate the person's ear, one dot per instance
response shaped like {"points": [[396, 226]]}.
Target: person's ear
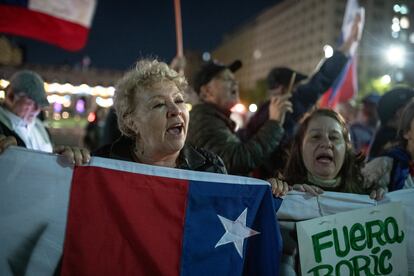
{"points": [[131, 124]]}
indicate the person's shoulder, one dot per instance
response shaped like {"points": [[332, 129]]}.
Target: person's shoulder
{"points": [[202, 108], [212, 162]]}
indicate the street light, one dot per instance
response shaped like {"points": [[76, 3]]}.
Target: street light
{"points": [[396, 55], [328, 50]]}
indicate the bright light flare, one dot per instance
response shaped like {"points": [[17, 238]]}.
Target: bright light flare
{"points": [[328, 50], [239, 108], [253, 108], [396, 55], [386, 79]]}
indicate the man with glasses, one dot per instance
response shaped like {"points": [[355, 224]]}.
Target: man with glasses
{"points": [[211, 127]]}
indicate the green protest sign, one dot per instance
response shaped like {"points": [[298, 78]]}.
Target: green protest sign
{"points": [[370, 241]]}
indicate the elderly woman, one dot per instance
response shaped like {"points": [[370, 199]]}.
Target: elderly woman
{"points": [[153, 118], [394, 169], [321, 158]]}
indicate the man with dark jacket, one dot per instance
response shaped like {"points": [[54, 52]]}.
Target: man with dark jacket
{"points": [[304, 97], [211, 128]]}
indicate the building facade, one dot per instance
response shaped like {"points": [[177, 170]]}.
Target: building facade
{"points": [[293, 33]]}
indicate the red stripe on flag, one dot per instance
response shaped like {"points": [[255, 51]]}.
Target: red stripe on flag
{"points": [[24, 22], [324, 101], [348, 89], [122, 223]]}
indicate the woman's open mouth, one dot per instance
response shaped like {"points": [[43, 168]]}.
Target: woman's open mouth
{"points": [[324, 158], [175, 129]]}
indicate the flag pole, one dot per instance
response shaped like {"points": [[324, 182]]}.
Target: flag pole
{"points": [[178, 28], [291, 83]]}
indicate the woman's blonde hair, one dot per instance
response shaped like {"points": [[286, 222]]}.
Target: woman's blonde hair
{"points": [[146, 74]]}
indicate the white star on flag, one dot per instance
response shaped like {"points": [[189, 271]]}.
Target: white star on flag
{"points": [[236, 232]]}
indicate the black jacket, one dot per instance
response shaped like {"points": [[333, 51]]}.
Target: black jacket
{"points": [[190, 158]]}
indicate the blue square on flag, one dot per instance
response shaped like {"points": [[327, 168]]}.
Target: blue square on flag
{"points": [[230, 229]]}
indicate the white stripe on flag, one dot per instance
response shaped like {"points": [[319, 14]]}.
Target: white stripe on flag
{"points": [[75, 11]]}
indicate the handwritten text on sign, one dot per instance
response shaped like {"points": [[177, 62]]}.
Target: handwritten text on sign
{"points": [[368, 241]]}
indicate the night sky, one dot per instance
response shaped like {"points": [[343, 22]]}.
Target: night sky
{"points": [[122, 33]]}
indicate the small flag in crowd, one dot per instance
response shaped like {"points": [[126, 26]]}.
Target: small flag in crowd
{"points": [[63, 23], [345, 87]]}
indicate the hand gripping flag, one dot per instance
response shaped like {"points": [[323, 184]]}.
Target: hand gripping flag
{"points": [[132, 219], [64, 23], [345, 87]]}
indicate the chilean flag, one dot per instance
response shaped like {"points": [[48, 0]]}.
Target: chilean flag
{"points": [[64, 23], [345, 87], [121, 218]]}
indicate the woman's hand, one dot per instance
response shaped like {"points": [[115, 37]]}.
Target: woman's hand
{"points": [[311, 189], [279, 187], [74, 155], [377, 193], [6, 141]]}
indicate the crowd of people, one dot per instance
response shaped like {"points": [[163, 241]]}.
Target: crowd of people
{"points": [[290, 141]]}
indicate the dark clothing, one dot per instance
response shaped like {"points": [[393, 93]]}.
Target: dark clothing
{"points": [[361, 137], [110, 131], [304, 97], [385, 135], [7, 132], [212, 129], [400, 167], [93, 136], [190, 158]]}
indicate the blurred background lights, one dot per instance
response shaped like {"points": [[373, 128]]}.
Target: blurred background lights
{"points": [[252, 108], [57, 107], [104, 102], [4, 83], [80, 106], [397, 8], [257, 54], [239, 108], [328, 50], [65, 115], [395, 27], [404, 22], [396, 55], [206, 56], [386, 79], [403, 9]]}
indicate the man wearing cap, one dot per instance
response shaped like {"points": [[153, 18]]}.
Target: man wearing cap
{"points": [[25, 96], [19, 125], [210, 125], [281, 80]]}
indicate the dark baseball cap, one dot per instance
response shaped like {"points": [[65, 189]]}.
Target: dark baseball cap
{"points": [[30, 84], [212, 69], [392, 101], [281, 76], [372, 98]]}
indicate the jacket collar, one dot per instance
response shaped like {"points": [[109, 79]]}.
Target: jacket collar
{"points": [[189, 158]]}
